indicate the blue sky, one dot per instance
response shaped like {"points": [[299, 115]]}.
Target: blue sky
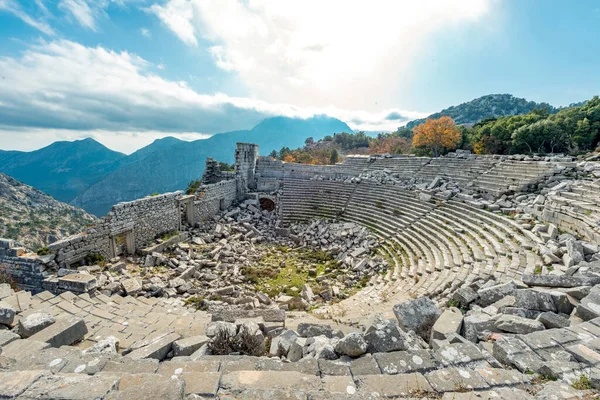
{"points": [[129, 71]]}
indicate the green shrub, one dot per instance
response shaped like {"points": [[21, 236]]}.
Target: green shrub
{"points": [[44, 251], [583, 383]]}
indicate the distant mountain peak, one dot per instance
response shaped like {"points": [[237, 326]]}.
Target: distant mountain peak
{"points": [[488, 106]]}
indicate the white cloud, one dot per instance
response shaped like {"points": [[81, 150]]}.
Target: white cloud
{"points": [[14, 8], [82, 12], [86, 12], [63, 85], [161, 66], [337, 51], [145, 32], [177, 15]]}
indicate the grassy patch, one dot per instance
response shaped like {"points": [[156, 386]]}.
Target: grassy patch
{"points": [[583, 383], [196, 302], [537, 270]]}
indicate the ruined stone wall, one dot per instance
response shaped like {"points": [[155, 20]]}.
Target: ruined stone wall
{"points": [[148, 217], [213, 198], [26, 272], [246, 156], [269, 174]]}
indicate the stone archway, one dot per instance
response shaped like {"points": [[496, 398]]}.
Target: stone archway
{"points": [[266, 204]]}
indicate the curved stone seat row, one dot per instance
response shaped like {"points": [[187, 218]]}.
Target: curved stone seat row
{"points": [[434, 246]]}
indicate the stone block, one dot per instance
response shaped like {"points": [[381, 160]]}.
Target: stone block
{"points": [[465, 296], [64, 332], [338, 385], [352, 345], [237, 383], [589, 308], [494, 293], [534, 300], [78, 283], [365, 365], [33, 323], [329, 367], [187, 346], [514, 352], [148, 386], [7, 313], [131, 286], [157, 350], [449, 322], [515, 324], [392, 386], [403, 362], [13, 384], [455, 379], [23, 347], [553, 320], [384, 335], [71, 386], [417, 315], [560, 281], [310, 330], [6, 337], [461, 355]]}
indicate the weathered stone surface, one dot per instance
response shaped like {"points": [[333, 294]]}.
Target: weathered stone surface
{"points": [[280, 345], [514, 352], [6, 337], [333, 367], [13, 384], [449, 322], [7, 313], [553, 320], [562, 281], [238, 382], [476, 323], [157, 350], [187, 346], [71, 386], [402, 362], [392, 386], [352, 345], [455, 379], [214, 327], [417, 315], [23, 347], [64, 332], [465, 296], [515, 324], [589, 308], [33, 323], [384, 335], [296, 350], [320, 347], [534, 300], [365, 365], [148, 386], [309, 330], [464, 354], [131, 286], [78, 283], [492, 294]]}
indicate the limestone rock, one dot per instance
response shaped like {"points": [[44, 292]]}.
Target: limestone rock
{"points": [[33, 323], [514, 324], [7, 313], [352, 345], [417, 315], [552, 320], [384, 335], [131, 286], [492, 294], [449, 322]]}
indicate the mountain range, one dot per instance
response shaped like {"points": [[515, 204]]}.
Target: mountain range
{"points": [[34, 218], [86, 174]]}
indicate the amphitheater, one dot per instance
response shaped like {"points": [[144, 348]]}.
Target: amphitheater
{"points": [[458, 277]]}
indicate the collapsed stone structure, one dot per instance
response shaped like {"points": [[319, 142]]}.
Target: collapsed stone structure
{"points": [[481, 279]]}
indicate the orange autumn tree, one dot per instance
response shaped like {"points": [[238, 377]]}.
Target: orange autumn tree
{"points": [[437, 134]]}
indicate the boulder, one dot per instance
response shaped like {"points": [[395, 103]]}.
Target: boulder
{"points": [[494, 293], [476, 323], [310, 330], [320, 347], [296, 351], [131, 286], [307, 293], [352, 345], [465, 296], [515, 324], [384, 335], [575, 250], [417, 315], [552, 320], [534, 300], [7, 313], [448, 323], [280, 345], [589, 308], [33, 323]]}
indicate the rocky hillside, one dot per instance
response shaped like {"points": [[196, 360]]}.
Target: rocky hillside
{"points": [[35, 218], [490, 106]]}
